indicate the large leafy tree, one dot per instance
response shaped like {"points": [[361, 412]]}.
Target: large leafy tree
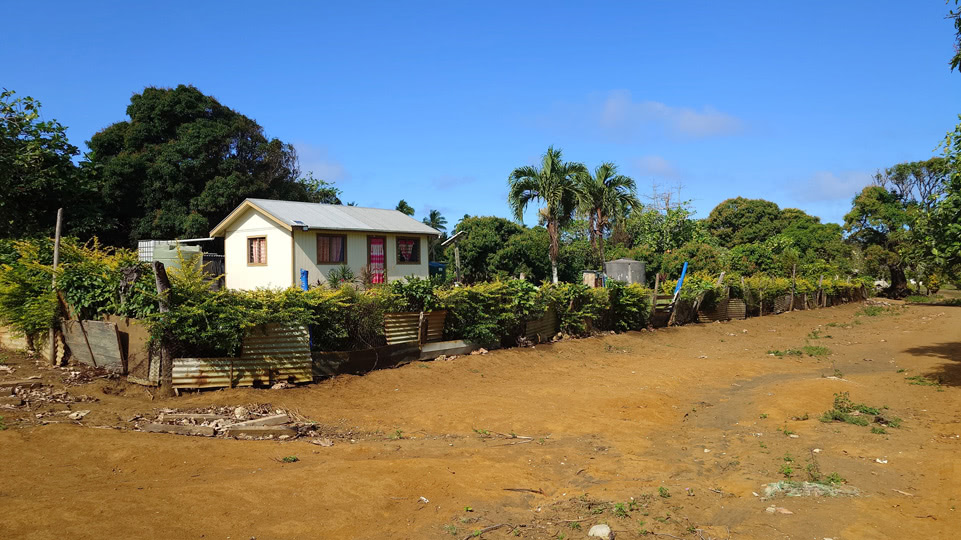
{"points": [[879, 222], [37, 173], [554, 185], [182, 162], [743, 221], [605, 197], [483, 237], [437, 221]]}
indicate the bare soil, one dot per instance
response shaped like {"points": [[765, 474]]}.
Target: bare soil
{"points": [[673, 433]]}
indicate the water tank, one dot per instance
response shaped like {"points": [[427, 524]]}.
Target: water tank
{"points": [[626, 270]]}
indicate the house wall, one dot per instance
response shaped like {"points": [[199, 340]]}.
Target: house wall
{"points": [[277, 273], [305, 255]]}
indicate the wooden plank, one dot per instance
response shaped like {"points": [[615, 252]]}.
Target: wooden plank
{"points": [[177, 429], [105, 345], [260, 431], [274, 420]]}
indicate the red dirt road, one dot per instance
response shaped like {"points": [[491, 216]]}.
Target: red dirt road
{"points": [[701, 411]]}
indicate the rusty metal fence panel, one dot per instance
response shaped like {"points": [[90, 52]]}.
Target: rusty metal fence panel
{"points": [[542, 329], [284, 350], [736, 309], [405, 327]]}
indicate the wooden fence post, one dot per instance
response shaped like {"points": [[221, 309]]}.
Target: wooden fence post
{"points": [[793, 286], [56, 261], [166, 362]]}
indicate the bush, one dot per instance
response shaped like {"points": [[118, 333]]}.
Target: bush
{"points": [[580, 308], [630, 306], [492, 313]]}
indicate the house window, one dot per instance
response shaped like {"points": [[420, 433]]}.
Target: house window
{"points": [[408, 250], [331, 249], [256, 250]]}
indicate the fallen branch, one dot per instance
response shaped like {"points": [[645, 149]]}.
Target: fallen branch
{"points": [[513, 443], [526, 490], [477, 534], [511, 435]]}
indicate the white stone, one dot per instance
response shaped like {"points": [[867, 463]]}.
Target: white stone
{"points": [[240, 413], [600, 531]]}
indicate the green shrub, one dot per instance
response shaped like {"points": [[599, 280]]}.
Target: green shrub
{"points": [[492, 313], [630, 306], [580, 308]]}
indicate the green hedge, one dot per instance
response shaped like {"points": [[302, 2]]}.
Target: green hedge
{"points": [[97, 281]]}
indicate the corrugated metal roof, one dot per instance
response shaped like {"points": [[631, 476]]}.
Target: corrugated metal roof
{"points": [[341, 217]]}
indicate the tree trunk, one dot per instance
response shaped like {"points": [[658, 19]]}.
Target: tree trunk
{"points": [[555, 249], [899, 283], [599, 225], [166, 361]]}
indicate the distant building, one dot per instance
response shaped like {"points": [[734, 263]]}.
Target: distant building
{"points": [[267, 243]]}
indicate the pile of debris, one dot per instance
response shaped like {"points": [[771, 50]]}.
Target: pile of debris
{"points": [[251, 422], [32, 392]]}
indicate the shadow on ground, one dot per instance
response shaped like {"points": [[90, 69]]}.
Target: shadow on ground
{"points": [[948, 373]]}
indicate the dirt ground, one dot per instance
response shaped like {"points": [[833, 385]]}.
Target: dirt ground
{"points": [[672, 433]]}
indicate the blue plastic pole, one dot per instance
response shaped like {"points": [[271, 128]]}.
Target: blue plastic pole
{"points": [[681, 281]]}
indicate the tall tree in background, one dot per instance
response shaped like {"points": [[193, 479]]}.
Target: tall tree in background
{"points": [[879, 222], [402, 206], [605, 197], [743, 221], [37, 174], [435, 220], [554, 184], [182, 162]]}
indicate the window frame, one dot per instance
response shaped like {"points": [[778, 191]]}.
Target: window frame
{"points": [[317, 237], [257, 237], [417, 241]]}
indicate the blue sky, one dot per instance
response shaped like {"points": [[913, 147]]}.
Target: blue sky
{"points": [[436, 103]]}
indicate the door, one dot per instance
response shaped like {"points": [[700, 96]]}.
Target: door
{"points": [[376, 258]]}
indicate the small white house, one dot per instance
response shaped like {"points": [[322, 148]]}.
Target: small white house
{"points": [[267, 243]]}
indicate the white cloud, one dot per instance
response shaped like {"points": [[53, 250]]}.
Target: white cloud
{"points": [[657, 166], [316, 159], [828, 186], [620, 117]]}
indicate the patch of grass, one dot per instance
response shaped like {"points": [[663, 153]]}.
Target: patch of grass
{"points": [[620, 510], [919, 380], [396, 435], [574, 525], [834, 478], [450, 529], [857, 414], [3, 425], [815, 350], [763, 416], [290, 459], [787, 470], [878, 430], [902, 370], [871, 311], [919, 299], [788, 458], [833, 324], [801, 418], [663, 492], [762, 444], [787, 432], [482, 432], [786, 352]]}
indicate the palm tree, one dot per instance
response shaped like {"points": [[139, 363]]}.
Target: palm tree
{"points": [[435, 220], [604, 198], [402, 206], [554, 185]]}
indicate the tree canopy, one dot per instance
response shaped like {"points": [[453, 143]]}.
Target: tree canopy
{"points": [[37, 173], [182, 162]]}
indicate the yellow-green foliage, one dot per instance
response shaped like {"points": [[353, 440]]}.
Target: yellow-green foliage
{"points": [[27, 301]]}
